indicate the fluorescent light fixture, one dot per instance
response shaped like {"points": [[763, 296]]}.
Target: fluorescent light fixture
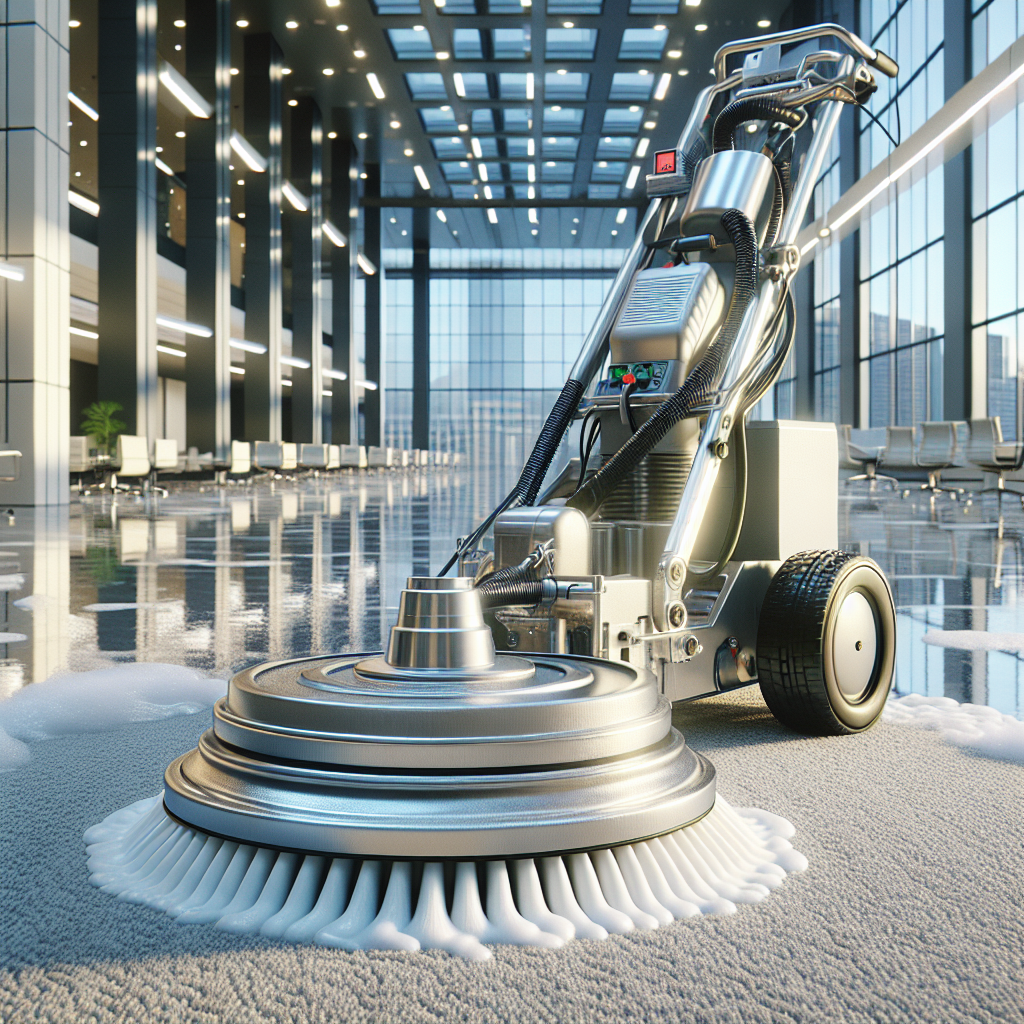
{"points": [[161, 166], [327, 394], [375, 86], [693, 3], [167, 350], [529, 85], [181, 89], [301, 364], [531, 148], [477, 148], [175, 324], [249, 346], [335, 374], [252, 158], [641, 147], [82, 333], [83, 106], [295, 197], [807, 247], [531, 216], [365, 265], [334, 235], [460, 85], [634, 173], [421, 177], [487, 192], [663, 83], [531, 172], [620, 217], [482, 168], [531, 192], [90, 206], [370, 385], [442, 55], [286, 382], [492, 214], [441, 217], [15, 273], [240, 370]]}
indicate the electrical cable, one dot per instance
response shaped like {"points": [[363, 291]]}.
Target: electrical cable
{"points": [[586, 449], [882, 126]]}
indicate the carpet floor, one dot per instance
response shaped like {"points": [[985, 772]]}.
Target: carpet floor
{"points": [[912, 908]]}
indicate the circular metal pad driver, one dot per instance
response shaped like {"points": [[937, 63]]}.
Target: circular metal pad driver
{"points": [[441, 749]]}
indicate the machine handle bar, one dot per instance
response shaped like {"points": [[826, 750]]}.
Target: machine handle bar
{"points": [[878, 60]]}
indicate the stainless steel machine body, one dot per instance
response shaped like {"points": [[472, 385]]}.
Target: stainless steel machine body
{"points": [[646, 599]]}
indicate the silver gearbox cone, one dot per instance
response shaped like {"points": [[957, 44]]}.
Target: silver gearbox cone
{"points": [[441, 749]]}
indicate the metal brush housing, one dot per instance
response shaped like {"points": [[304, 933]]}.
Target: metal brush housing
{"points": [[441, 749]]}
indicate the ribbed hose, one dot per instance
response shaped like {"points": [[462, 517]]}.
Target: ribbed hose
{"points": [[703, 379], [547, 444], [512, 585], [756, 108], [778, 208]]}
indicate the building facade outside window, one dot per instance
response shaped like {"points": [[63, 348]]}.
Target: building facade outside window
{"points": [[901, 247]]}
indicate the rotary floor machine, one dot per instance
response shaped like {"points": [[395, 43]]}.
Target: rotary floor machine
{"points": [[508, 771]]}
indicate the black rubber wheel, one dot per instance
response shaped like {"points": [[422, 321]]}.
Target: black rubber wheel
{"points": [[826, 643]]}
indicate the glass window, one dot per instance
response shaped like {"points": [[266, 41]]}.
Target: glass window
{"points": [[573, 85], [467, 44], [570, 43], [426, 85], [449, 148], [563, 119], [510, 43], [409, 44], [474, 86], [642, 43], [559, 146], [615, 146], [631, 86], [622, 120], [437, 119]]}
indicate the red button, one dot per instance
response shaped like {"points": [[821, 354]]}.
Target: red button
{"points": [[629, 379]]}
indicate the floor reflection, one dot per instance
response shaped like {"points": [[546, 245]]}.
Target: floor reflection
{"points": [[220, 579]]}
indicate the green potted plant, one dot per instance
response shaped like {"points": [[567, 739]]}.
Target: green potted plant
{"points": [[99, 421]]}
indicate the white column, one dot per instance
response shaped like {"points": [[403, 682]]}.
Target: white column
{"points": [[35, 312]]}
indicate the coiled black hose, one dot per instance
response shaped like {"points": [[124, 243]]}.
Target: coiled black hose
{"points": [[547, 444], [755, 108], [703, 379], [512, 585]]}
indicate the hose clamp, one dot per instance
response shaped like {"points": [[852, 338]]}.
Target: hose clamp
{"points": [[781, 261]]}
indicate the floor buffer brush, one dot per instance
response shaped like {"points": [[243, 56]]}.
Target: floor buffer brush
{"points": [[440, 797]]}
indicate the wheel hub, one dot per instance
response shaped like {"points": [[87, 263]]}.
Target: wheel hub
{"points": [[855, 645]]}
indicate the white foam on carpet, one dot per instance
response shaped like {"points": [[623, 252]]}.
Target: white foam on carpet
{"points": [[727, 858], [99, 700], [974, 726], [974, 640]]}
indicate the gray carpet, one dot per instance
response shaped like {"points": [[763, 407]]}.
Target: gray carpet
{"points": [[911, 910]]}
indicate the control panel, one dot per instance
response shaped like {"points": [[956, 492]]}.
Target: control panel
{"points": [[649, 377]]}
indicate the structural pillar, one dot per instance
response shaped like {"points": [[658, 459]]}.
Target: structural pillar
{"points": [[263, 298], [307, 242], [208, 252], [421, 327], [958, 377], [126, 232], [35, 371], [344, 170], [373, 401], [849, 249]]}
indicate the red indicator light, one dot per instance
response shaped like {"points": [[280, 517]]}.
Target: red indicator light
{"points": [[629, 379], [665, 162]]}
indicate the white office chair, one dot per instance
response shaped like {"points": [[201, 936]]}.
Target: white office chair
{"points": [[313, 457], [165, 457], [289, 457], [240, 459], [132, 463], [334, 456], [268, 456]]}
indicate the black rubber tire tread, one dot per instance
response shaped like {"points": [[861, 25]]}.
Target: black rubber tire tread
{"points": [[792, 635]]}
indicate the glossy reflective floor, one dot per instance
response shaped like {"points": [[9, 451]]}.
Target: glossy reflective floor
{"points": [[223, 578]]}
